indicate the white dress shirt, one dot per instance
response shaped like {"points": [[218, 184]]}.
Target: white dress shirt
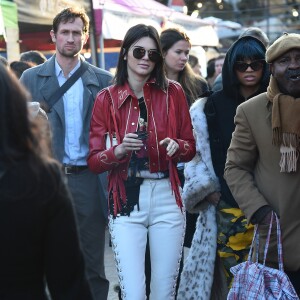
{"points": [[75, 151]]}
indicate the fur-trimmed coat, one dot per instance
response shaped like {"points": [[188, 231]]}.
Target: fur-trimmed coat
{"points": [[200, 180]]}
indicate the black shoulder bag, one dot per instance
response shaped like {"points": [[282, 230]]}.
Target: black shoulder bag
{"points": [[47, 105]]}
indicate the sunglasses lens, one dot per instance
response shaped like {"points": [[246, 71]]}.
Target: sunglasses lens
{"points": [[241, 67], [138, 53], [255, 66], [154, 56]]}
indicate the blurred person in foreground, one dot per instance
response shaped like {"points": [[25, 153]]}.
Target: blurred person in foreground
{"points": [[69, 119], [194, 63], [18, 67], [214, 69], [38, 230], [4, 61], [223, 237], [210, 71], [34, 57], [262, 168], [140, 130]]}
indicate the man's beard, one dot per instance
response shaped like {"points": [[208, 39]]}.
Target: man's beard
{"points": [[71, 53]]}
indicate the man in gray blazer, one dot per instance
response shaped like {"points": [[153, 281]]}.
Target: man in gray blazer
{"points": [[69, 119]]}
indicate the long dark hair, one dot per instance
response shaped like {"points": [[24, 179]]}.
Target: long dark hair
{"points": [[22, 141], [17, 138], [187, 78], [134, 34]]}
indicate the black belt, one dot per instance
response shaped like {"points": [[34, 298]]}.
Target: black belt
{"points": [[69, 169]]}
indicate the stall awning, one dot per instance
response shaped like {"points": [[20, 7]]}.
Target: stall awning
{"points": [[2, 29], [43, 12], [8, 16], [114, 17]]}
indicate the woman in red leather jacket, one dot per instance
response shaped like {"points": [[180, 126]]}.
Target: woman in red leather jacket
{"points": [[140, 130]]}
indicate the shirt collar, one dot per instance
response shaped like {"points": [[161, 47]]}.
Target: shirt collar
{"points": [[59, 71]]}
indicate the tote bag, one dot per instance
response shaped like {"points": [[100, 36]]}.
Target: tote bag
{"points": [[255, 281]]}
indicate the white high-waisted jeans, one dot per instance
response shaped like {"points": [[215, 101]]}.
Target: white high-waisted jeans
{"points": [[161, 218]]}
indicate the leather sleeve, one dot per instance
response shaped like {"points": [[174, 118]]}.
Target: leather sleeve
{"points": [[101, 159], [185, 137]]}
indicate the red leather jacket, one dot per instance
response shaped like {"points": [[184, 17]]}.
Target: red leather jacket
{"points": [[116, 111]]}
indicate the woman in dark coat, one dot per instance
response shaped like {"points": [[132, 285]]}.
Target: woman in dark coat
{"points": [[38, 233]]}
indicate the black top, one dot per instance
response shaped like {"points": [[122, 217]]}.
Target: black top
{"points": [[39, 238], [143, 109]]}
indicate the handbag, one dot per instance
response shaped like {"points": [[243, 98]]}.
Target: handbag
{"points": [[110, 141], [255, 281]]}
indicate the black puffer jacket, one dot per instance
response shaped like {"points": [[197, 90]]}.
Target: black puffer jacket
{"points": [[220, 111]]}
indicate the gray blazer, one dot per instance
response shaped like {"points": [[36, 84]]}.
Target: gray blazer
{"points": [[42, 82]]}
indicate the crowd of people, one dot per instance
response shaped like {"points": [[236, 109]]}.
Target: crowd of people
{"points": [[154, 152]]}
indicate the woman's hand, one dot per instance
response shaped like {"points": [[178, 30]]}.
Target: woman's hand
{"points": [[130, 143], [214, 198], [171, 146]]}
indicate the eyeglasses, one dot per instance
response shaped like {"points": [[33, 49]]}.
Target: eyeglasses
{"points": [[255, 65], [140, 52]]}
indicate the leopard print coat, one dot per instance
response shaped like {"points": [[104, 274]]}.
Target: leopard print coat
{"points": [[200, 180]]}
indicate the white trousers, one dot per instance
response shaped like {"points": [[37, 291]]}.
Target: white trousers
{"points": [[163, 221]]}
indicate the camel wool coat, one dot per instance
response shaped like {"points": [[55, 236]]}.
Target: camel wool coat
{"points": [[253, 175]]}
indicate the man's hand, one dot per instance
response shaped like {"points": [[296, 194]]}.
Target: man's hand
{"points": [[262, 216], [267, 219]]}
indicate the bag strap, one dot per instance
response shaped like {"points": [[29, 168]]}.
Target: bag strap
{"points": [[279, 243], [113, 114], [268, 240], [71, 80], [256, 241]]}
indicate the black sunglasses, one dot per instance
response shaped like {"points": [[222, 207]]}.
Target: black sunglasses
{"points": [[255, 65], [140, 52]]}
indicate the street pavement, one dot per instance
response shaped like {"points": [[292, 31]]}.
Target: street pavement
{"points": [[110, 269]]}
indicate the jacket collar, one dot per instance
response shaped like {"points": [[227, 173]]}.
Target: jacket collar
{"points": [[48, 70], [124, 92], [88, 78]]}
